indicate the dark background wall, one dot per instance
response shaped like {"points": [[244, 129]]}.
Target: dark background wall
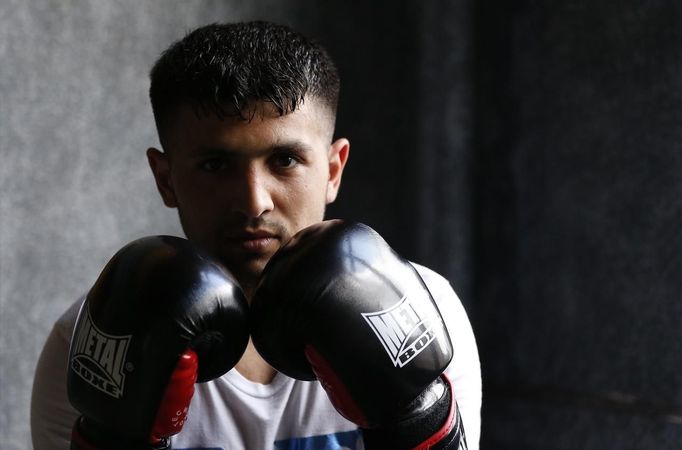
{"points": [[527, 150], [579, 273]]}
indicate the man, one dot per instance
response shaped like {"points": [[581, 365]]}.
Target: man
{"points": [[245, 115]]}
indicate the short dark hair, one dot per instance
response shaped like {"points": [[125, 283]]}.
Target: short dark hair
{"points": [[223, 68]]}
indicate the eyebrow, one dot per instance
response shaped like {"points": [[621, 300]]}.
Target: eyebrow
{"points": [[294, 146]]}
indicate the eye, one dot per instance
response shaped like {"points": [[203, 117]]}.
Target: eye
{"points": [[212, 164], [284, 161]]}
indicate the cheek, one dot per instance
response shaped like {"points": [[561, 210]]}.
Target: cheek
{"points": [[301, 201], [195, 198]]}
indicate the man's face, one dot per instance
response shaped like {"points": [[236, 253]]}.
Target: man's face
{"points": [[243, 188]]}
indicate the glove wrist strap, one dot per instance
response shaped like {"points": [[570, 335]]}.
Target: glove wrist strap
{"points": [[87, 435], [438, 427]]}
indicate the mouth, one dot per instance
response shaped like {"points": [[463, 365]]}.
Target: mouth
{"points": [[258, 241]]}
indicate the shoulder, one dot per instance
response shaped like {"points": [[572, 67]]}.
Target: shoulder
{"points": [[450, 306], [64, 325], [448, 302], [441, 290], [436, 282]]}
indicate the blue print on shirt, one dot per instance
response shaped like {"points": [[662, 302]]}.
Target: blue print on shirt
{"points": [[347, 440], [202, 448]]}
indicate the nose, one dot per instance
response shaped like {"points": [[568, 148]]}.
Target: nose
{"points": [[252, 195]]}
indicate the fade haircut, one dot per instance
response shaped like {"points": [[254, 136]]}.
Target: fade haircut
{"points": [[223, 69]]}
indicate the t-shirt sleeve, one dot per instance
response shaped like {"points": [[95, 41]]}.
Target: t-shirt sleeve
{"points": [[464, 370], [52, 416]]}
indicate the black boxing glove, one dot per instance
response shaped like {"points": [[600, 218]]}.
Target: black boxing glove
{"points": [[161, 316], [336, 303]]}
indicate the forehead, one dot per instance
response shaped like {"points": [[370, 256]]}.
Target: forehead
{"points": [[260, 124]]}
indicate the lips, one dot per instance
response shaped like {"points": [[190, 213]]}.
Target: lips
{"points": [[258, 241]]}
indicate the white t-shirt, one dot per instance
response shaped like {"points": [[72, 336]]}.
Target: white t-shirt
{"points": [[232, 413]]}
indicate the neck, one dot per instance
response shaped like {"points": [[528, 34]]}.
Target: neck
{"points": [[251, 365], [254, 368]]}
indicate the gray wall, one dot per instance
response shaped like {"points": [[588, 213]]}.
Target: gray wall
{"points": [[74, 125]]}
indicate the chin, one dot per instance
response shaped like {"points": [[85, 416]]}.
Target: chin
{"points": [[247, 272]]}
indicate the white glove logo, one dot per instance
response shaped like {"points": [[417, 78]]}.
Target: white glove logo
{"points": [[98, 357], [407, 328]]}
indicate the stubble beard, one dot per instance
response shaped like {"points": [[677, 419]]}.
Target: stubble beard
{"points": [[246, 270]]}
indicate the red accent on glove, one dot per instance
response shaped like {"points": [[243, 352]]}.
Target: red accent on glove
{"points": [[78, 441], [335, 388], [172, 412], [450, 421]]}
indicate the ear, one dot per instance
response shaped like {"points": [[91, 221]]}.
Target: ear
{"points": [[338, 155], [160, 165]]}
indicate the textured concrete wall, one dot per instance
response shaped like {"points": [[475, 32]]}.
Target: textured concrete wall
{"points": [[74, 125]]}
